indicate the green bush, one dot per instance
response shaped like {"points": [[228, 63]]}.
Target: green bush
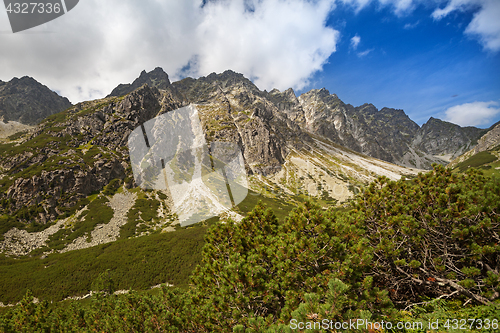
{"points": [[260, 268], [436, 235]]}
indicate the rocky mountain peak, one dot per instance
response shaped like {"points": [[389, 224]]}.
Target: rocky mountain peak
{"points": [[229, 79], [441, 138], [434, 122], [322, 95], [290, 93], [392, 111], [27, 101], [367, 108], [157, 78], [323, 92]]}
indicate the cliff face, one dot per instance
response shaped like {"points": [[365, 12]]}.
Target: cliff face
{"points": [[26, 101], [233, 109], [437, 137], [388, 134], [383, 134], [72, 154], [489, 142]]}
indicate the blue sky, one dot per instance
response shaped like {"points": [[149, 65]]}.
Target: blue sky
{"points": [[438, 58], [411, 62]]}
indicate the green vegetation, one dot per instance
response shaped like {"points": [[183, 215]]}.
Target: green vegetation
{"points": [[136, 263], [409, 251], [7, 223], [144, 211], [436, 235], [17, 135], [112, 187], [476, 160], [98, 212], [279, 206]]}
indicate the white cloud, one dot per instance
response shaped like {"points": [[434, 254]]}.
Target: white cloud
{"points": [[279, 44], [364, 53], [453, 5], [355, 42], [473, 114], [87, 52], [400, 6], [357, 4], [485, 24], [409, 26]]}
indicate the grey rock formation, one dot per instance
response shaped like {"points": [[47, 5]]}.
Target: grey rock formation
{"points": [[27, 101], [437, 137], [86, 152], [490, 141], [233, 109], [157, 78]]}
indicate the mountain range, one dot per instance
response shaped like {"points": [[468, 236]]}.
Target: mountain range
{"points": [[387, 134], [56, 174]]}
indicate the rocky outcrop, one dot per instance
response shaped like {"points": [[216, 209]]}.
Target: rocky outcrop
{"points": [[490, 141], [157, 78], [53, 190], [437, 137], [83, 152], [28, 102], [388, 134], [233, 109]]}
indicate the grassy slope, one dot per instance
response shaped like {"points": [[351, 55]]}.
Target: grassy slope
{"points": [[136, 263], [487, 161]]}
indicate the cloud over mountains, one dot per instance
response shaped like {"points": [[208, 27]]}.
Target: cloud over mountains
{"points": [[473, 114], [275, 43], [101, 43]]}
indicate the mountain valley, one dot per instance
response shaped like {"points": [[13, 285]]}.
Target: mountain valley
{"points": [[67, 182]]}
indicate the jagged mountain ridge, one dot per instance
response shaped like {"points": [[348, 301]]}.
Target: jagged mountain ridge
{"points": [[156, 78], [28, 102], [387, 134], [77, 152], [436, 133]]}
